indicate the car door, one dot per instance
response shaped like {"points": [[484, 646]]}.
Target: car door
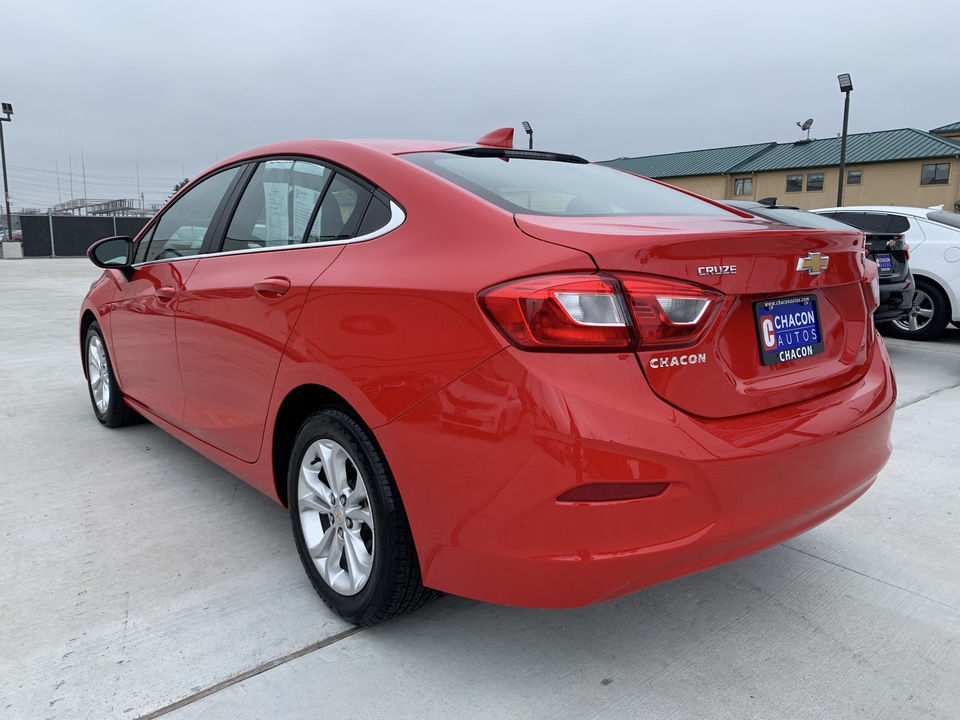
{"points": [[142, 318], [240, 305]]}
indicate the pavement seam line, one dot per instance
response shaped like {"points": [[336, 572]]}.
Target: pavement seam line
{"points": [[928, 396], [276, 662], [871, 577]]}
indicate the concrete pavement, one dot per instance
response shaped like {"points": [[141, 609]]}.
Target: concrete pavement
{"points": [[138, 580]]}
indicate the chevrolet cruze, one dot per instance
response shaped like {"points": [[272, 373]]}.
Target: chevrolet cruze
{"points": [[507, 374]]}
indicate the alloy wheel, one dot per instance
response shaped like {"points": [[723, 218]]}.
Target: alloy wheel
{"points": [[98, 373], [335, 516], [920, 315]]}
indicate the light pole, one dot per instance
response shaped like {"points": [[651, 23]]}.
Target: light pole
{"points": [[846, 87], [529, 131], [7, 109]]}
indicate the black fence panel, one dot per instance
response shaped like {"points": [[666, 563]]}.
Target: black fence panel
{"points": [[36, 235], [130, 226], [72, 235]]}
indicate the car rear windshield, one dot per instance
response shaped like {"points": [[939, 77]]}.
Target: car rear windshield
{"points": [[873, 222], [800, 218], [537, 185]]}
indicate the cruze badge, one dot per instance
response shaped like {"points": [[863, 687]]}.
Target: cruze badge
{"points": [[813, 263], [717, 270]]}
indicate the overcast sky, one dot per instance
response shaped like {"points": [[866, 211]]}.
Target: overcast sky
{"points": [[109, 89]]}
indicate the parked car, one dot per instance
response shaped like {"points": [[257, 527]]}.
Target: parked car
{"points": [[889, 250], [506, 374], [934, 239]]}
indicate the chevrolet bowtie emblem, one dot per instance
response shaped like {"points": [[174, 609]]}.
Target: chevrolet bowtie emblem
{"points": [[813, 263]]}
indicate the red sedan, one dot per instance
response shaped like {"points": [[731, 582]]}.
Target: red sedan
{"points": [[507, 374]]}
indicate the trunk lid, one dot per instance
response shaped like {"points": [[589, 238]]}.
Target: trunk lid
{"points": [[769, 275]]}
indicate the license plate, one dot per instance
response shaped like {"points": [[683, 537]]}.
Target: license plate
{"points": [[884, 261], [789, 329]]}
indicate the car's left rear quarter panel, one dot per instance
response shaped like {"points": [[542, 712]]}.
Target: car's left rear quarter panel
{"points": [[396, 318]]}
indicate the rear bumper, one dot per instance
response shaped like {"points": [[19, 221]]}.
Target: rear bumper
{"points": [[484, 512], [896, 299]]}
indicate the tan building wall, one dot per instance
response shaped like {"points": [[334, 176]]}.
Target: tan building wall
{"points": [[894, 183], [711, 186]]}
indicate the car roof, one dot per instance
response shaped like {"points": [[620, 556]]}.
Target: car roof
{"points": [[321, 147]]}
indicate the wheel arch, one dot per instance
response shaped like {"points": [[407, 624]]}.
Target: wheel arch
{"points": [[945, 287], [87, 319], [297, 406]]}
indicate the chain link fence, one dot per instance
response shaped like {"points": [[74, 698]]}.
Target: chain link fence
{"points": [[69, 235]]}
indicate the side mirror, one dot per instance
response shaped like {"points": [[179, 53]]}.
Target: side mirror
{"points": [[112, 253]]}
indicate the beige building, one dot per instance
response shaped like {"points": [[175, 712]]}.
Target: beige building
{"points": [[890, 167]]}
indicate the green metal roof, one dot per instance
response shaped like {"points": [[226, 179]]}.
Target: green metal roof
{"points": [[882, 146], [695, 162], [952, 127]]}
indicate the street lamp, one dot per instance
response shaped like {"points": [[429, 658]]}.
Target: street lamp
{"points": [[529, 131], [7, 109], [846, 87]]}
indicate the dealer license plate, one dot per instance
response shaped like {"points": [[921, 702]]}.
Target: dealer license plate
{"points": [[885, 262], [789, 329]]}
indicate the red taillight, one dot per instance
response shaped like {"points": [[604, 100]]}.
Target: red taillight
{"points": [[669, 313], [600, 312], [871, 285]]}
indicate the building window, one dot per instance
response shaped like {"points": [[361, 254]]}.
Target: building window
{"points": [[854, 177], [814, 181], [794, 183], [935, 174], [743, 186]]}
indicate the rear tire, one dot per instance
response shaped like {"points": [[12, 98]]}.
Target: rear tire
{"points": [[927, 318], [349, 524], [105, 395]]}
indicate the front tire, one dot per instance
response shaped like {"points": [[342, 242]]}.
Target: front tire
{"points": [[105, 395], [349, 524], [928, 317]]}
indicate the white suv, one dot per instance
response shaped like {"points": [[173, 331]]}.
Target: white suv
{"points": [[934, 239]]}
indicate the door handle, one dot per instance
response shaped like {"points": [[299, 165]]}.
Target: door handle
{"points": [[272, 287], [165, 293]]}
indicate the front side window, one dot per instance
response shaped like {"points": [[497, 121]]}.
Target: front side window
{"points": [[814, 181], [935, 174], [794, 183], [545, 184], [743, 186], [854, 177], [183, 226]]}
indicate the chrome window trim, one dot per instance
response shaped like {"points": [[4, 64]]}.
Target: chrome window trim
{"points": [[397, 218]]}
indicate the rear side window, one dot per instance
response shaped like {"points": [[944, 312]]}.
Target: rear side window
{"points": [[947, 218], [277, 205], [339, 215], [377, 216], [555, 187]]}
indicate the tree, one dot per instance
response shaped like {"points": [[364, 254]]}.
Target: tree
{"points": [[177, 187]]}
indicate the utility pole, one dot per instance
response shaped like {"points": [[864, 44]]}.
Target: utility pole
{"points": [[846, 87], [7, 110]]}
